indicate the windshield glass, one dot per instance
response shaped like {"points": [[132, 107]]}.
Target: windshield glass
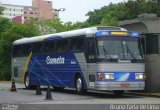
{"points": [[119, 48]]}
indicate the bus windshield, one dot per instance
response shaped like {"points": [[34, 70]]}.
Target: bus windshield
{"points": [[127, 48]]}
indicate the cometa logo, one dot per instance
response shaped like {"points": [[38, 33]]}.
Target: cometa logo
{"points": [[124, 61], [59, 60]]}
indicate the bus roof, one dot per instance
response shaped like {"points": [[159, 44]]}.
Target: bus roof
{"points": [[85, 31]]}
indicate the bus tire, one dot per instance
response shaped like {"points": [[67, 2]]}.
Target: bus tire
{"points": [[118, 92], [79, 84], [27, 82]]}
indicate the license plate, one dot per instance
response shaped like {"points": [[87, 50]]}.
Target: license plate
{"points": [[125, 85]]}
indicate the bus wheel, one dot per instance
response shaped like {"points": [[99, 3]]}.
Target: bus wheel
{"points": [[80, 85], [118, 92], [27, 82]]}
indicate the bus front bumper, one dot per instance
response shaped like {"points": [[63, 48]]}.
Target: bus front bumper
{"points": [[119, 85]]}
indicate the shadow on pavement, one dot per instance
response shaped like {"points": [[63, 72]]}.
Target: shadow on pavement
{"points": [[96, 94]]}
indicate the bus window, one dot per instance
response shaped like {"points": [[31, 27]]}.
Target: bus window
{"points": [[49, 47], [77, 44], [62, 45], [37, 47], [17, 50], [91, 51], [91, 46], [26, 49]]}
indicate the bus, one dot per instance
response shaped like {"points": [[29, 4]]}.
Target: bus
{"points": [[96, 58]]}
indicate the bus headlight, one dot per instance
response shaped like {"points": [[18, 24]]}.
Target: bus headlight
{"points": [[138, 75], [109, 75], [100, 76]]}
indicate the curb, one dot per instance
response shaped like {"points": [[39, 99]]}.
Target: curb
{"points": [[157, 95]]}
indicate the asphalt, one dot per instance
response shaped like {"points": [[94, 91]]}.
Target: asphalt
{"points": [[5, 86], [68, 99], [157, 95]]}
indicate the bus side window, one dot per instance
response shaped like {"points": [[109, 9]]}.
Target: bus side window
{"points": [[37, 47], [17, 50], [14, 51], [77, 44], [26, 49], [62, 45], [91, 50], [49, 47], [91, 46]]}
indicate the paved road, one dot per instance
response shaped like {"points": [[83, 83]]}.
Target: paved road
{"points": [[68, 96]]}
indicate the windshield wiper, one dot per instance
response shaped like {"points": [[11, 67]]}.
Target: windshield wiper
{"points": [[106, 53]]}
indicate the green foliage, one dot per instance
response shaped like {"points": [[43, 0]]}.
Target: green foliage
{"points": [[1, 9], [4, 24], [55, 25], [111, 14], [51, 26], [72, 26], [10, 32], [108, 20], [33, 24]]}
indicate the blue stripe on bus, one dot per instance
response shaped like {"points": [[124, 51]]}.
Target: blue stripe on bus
{"points": [[52, 70], [53, 37], [122, 76], [102, 33], [122, 33]]}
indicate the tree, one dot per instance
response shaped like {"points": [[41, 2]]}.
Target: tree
{"points": [[4, 24], [55, 25], [8, 34], [111, 14], [95, 17], [1, 9], [72, 26], [108, 20], [51, 26], [43, 26]]}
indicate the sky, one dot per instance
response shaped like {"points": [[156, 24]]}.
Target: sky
{"points": [[75, 9]]}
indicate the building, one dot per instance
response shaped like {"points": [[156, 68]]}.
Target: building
{"points": [[39, 9], [44, 8], [149, 26], [11, 11], [30, 12]]}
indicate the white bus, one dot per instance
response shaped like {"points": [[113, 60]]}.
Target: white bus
{"points": [[95, 58]]}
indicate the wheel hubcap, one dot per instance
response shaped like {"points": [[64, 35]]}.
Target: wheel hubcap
{"points": [[79, 84], [27, 81]]}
